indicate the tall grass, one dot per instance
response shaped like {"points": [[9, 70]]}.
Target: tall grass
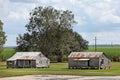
{"points": [[7, 53], [112, 52]]}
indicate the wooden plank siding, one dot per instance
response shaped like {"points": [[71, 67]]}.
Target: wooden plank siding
{"points": [[28, 60], [88, 60]]}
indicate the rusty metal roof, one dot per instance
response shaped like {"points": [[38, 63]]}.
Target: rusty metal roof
{"points": [[26, 55], [80, 55]]}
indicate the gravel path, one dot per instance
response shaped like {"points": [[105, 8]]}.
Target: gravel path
{"points": [[61, 77]]}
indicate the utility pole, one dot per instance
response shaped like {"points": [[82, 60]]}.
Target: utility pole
{"points": [[95, 44], [111, 44]]}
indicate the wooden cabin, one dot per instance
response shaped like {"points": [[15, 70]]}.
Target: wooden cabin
{"points": [[28, 60], [89, 60]]}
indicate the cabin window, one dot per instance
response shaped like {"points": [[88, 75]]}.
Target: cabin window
{"points": [[26, 62], [29, 62]]}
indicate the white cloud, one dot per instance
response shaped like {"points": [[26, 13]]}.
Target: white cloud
{"points": [[77, 3], [102, 37], [80, 20], [108, 37], [58, 7], [24, 1], [90, 11], [48, 1], [86, 12], [84, 35], [88, 36], [1, 1], [11, 40], [74, 2], [56, 1], [103, 12], [22, 14], [4, 8], [110, 18], [108, 0], [43, 1]]}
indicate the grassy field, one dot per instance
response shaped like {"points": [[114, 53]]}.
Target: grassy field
{"points": [[112, 52], [7, 53], [61, 68], [58, 69]]}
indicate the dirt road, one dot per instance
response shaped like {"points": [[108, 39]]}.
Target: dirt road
{"points": [[61, 77]]}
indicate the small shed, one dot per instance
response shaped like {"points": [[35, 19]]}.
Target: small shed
{"points": [[28, 60], [95, 60]]}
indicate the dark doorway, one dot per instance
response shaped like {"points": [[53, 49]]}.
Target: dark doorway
{"points": [[88, 63]]}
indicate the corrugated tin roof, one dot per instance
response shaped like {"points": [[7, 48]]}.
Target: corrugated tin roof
{"points": [[28, 57], [25, 55], [80, 55]]}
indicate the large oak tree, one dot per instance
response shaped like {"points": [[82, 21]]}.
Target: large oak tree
{"points": [[50, 30]]}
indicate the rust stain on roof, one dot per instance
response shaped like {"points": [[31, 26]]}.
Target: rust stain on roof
{"points": [[28, 57], [25, 55], [79, 55]]}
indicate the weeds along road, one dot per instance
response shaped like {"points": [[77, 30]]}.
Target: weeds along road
{"points": [[61, 77]]}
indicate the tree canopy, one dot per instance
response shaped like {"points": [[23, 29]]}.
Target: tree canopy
{"points": [[50, 30], [2, 36]]}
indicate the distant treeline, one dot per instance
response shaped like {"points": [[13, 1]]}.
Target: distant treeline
{"points": [[104, 45]]}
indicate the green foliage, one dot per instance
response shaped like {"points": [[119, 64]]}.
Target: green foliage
{"points": [[2, 37], [23, 42], [50, 31]]}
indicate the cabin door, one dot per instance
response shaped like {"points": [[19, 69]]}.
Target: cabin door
{"points": [[88, 63]]}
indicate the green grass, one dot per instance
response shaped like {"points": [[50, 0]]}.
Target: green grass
{"points": [[58, 69], [7, 53], [61, 68], [111, 52]]}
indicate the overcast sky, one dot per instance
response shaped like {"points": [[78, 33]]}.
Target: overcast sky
{"points": [[100, 18]]}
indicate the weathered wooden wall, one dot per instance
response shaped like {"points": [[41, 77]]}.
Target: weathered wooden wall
{"points": [[92, 63], [97, 63]]}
